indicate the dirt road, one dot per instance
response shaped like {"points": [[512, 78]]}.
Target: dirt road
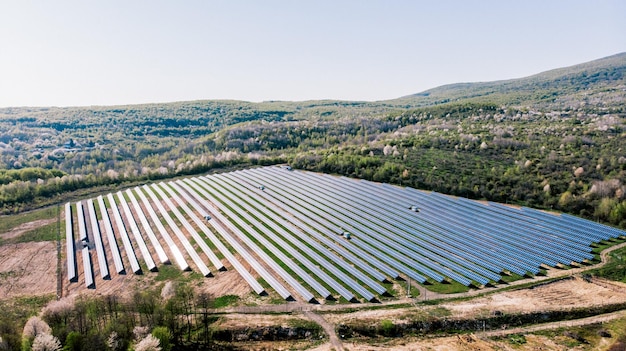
{"points": [[602, 318], [328, 328]]}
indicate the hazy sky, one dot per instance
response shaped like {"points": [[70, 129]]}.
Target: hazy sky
{"points": [[67, 53]]}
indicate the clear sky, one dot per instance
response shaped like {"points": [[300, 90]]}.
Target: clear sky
{"points": [[69, 53]]}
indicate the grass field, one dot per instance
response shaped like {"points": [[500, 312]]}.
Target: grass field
{"points": [[12, 221], [447, 288], [47, 232], [615, 269]]}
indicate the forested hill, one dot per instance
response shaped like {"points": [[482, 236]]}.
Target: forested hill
{"points": [[554, 140], [563, 87]]}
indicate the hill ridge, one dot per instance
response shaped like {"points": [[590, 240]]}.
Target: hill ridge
{"points": [[555, 82]]}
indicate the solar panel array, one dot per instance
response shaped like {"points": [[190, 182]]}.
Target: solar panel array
{"points": [[309, 236]]}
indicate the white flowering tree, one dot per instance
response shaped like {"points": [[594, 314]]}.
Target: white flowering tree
{"points": [[46, 342], [149, 343]]}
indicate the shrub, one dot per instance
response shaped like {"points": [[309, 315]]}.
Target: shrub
{"points": [[387, 327], [73, 341], [164, 336]]}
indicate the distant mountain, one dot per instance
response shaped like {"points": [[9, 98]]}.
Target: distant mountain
{"points": [[606, 76]]}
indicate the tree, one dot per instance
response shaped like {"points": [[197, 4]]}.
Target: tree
{"points": [[46, 342], [73, 342], [164, 336], [33, 328], [149, 343]]}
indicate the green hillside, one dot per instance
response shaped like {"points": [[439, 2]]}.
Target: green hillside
{"points": [[563, 87]]}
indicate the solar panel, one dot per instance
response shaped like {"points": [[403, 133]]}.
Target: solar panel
{"points": [[220, 201], [115, 251], [178, 256], [70, 250], [373, 246], [128, 248], [299, 230], [136, 233], [178, 186], [268, 277], [147, 229], [351, 252], [179, 234], [95, 230], [292, 240], [335, 234]]}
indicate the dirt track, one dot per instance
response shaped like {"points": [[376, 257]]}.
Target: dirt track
{"points": [[603, 318], [328, 328]]}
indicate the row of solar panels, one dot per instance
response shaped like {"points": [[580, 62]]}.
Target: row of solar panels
{"points": [[440, 242], [291, 228], [128, 225]]}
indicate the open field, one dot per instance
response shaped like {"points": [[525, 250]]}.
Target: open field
{"points": [[27, 269]]}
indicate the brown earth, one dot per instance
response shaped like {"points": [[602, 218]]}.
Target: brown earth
{"points": [[564, 294], [27, 269], [559, 295], [468, 342]]}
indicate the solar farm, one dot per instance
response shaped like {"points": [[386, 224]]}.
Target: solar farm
{"points": [[311, 237]]}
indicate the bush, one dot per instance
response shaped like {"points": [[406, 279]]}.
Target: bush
{"points": [[387, 328], [164, 336], [517, 339], [73, 341]]}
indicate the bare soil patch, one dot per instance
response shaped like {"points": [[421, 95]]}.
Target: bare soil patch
{"points": [[227, 282], [560, 295], [466, 342], [563, 294], [27, 269], [460, 342], [236, 320]]}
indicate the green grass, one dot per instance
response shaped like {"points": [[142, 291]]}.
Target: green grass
{"points": [[440, 312], [168, 272], [35, 302], [387, 328], [225, 300], [44, 233], [511, 278], [12, 221], [571, 337], [349, 309], [601, 246], [402, 293], [17, 310], [447, 288], [171, 272], [615, 269], [516, 339], [304, 324]]}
